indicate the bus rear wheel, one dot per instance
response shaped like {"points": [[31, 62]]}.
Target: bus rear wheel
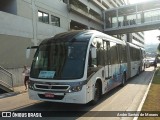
{"points": [[123, 79], [97, 93], [139, 71]]}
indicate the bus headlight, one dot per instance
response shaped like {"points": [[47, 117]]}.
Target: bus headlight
{"points": [[30, 85], [75, 88]]}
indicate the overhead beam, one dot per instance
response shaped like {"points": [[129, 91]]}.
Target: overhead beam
{"points": [[133, 28]]}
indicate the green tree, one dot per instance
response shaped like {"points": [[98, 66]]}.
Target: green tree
{"points": [[158, 48]]}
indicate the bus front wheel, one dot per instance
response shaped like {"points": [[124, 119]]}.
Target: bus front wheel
{"points": [[97, 93]]}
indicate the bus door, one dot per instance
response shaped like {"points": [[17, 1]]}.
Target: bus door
{"points": [[120, 61], [107, 66], [96, 65]]}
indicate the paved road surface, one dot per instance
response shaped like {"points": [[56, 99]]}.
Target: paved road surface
{"points": [[127, 98]]}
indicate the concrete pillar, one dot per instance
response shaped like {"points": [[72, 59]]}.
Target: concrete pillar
{"points": [[129, 37], [117, 16], [34, 22], [104, 19], [142, 17], [136, 14], [124, 20]]}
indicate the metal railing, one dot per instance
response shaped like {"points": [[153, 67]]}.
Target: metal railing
{"points": [[79, 4], [6, 78]]}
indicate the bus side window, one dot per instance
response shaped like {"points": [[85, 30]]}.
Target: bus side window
{"points": [[113, 53], [92, 62], [98, 44], [100, 52], [89, 59], [122, 53], [106, 52]]}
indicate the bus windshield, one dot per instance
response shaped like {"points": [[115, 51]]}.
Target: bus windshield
{"points": [[60, 60]]}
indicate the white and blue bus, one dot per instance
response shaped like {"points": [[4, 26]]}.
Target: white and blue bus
{"points": [[79, 67], [136, 60]]}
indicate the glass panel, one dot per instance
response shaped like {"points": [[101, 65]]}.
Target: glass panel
{"points": [[114, 22], [55, 21], [113, 53], [40, 15], [152, 15], [45, 18], [138, 18], [131, 19], [65, 59], [120, 21]]}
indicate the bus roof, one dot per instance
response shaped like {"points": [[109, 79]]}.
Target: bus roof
{"points": [[133, 45], [66, 36]]}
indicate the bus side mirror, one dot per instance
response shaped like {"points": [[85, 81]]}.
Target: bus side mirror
{"points": [[93, 53], [28, 51]]}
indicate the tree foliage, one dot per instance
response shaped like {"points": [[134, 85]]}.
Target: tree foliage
{"points": [[158, 48]]}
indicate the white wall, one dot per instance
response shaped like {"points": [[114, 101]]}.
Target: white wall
{"points": [[18, 76], [15, 36], [15, 25], [24, 8], [13, 51], [45, 30]]}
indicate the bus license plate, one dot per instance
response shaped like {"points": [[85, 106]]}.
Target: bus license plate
{"points": [[49, 95]]}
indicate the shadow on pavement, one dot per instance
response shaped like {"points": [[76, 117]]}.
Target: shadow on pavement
{"points": [[64, 110], [143, 79]]}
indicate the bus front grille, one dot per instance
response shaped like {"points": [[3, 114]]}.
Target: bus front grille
{"points": [[61, 88]]}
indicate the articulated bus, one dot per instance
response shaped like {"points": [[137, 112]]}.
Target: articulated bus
{"points": [[136, 60], [80, 66]]}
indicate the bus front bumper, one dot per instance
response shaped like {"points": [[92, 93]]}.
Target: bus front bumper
{"points": [[72, 97]]}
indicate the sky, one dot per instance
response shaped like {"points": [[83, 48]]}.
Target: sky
{"points": [[150, 36], [138, 1]]}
